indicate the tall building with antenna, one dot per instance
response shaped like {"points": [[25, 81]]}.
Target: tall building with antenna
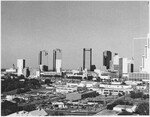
{"points": [[146, 56]]}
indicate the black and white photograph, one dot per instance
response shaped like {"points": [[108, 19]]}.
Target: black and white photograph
{"points": [[75, 58]]}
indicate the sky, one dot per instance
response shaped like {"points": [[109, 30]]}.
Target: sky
{"points": [[28, 27]]}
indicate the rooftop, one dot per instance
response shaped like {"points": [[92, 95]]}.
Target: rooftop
{"points": [[107, 112]]}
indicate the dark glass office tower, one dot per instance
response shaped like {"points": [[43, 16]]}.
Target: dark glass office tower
{"points": [[40, 58], [106, 59], [87, 58]]}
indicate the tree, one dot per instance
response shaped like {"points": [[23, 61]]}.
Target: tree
{"points": [[19, 91], [28, 72], [93, 67], [123, 83], [47, 81], [21, 77], [29, 107], [110, 106], [132, 94], [58, 113], [144, 97], [17, 100], [143, 109], [8, 107], [119, 94]]}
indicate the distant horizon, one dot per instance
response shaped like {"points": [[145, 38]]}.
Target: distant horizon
{"points": [[28, 27]]}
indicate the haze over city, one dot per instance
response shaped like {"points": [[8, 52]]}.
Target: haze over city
{"points": [[28, 27]]}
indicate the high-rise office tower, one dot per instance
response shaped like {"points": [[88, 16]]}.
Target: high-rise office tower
{"points": [[106, 59], [40, 58], [87, 58], [116, 62], [130, 66], [20, 66], [43, 63], [123, 66], [57, 60]]}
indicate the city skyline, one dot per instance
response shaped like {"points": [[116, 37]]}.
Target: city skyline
{"points": [[29, 27]]}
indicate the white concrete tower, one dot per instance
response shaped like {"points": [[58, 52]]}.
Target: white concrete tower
{"points": [[20, 66]]}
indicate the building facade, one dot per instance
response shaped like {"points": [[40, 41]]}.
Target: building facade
{"points": [[139, 76], [116, 62], [43, 60], [123, 66], [130, 66], [87, 58], [107, 58], [57, 60], [20, 66]]}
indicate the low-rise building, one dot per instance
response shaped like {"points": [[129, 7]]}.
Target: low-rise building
{"points": [[116, 83], [120, 108], [133, 82], [39, 112], [107, 112], [141, 87], [11, 70], [89, 83], [58, 104], [115, 86], [50, 73], [65, 89], [139, 76], [81, 95], [10, 97], [115, 91]]}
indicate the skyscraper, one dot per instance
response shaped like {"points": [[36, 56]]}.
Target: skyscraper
{"points": [[87, 58], [20, 66], [130, 66], [43, 63], [42, 57], [57, 60], [116, 61], [106, 59], [123, 66]]}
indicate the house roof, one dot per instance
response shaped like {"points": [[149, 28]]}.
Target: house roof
{"points": [[107, 112], [41, 112], [20, 113], [123, 106]]}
